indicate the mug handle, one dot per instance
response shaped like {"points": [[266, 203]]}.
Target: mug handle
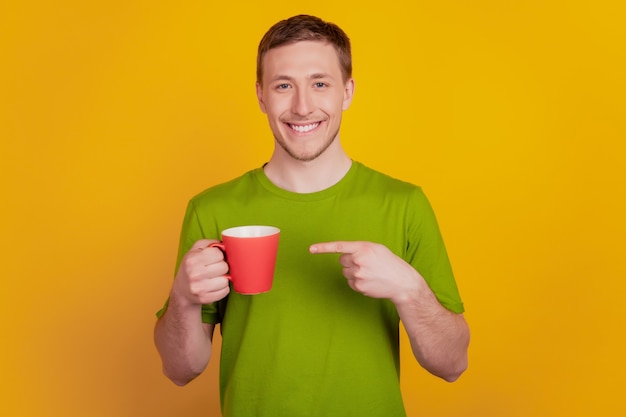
{"points": [[221, 247]]}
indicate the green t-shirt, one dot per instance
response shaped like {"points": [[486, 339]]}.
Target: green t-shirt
{"points": [[312, 346]]}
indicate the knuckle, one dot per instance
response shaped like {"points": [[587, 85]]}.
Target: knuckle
{"points": [[195, 289], [187, 271], [359, 275], [193, 274], [369, 249], [216, 253]]}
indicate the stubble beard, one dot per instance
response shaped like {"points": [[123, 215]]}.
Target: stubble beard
{"points": [[307, 157]]}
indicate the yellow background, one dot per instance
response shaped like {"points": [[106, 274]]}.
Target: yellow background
{"points": [[510, 114]]}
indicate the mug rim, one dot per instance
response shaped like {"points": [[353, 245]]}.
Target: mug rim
{"points": [[249, 231]]}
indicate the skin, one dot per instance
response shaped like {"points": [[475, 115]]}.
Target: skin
{"points": [[303, 87], [304, 95]]}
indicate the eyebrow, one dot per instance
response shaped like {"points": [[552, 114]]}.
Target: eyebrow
{"points": [[314, 76]]}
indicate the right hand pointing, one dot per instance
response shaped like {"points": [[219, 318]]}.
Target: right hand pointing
{"points": [[201, 275]]}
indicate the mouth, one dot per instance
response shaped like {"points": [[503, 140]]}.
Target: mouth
{"points": [[304, 128]]}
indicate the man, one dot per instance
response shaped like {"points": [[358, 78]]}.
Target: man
{"points": [[358, 252]]}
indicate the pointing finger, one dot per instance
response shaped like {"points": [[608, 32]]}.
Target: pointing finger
{"points": [[335, 247]]}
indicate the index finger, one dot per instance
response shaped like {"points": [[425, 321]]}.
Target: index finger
{"points": [[340, 246], [202, 244]]}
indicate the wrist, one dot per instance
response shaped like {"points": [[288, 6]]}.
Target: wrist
{"points": [[413, 291], [181, 303]]}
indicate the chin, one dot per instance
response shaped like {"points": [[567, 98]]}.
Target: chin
{"points": [[306, 155]]}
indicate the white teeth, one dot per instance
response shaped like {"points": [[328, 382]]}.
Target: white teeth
{"points": [[304, 128]]}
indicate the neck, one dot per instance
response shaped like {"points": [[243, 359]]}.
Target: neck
{"points": [[307, 176]]}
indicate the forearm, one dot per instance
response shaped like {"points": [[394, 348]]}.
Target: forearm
{"points": [[183, 341], [439, 338]]}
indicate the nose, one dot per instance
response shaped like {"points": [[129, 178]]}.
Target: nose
{"points": [[302, 102]]}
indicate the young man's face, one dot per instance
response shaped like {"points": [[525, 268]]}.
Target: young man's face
{"points": [[303, 94]]}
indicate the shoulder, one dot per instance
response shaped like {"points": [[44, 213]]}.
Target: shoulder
{"points": [[387, 191], [229, 189], [377, 180]]}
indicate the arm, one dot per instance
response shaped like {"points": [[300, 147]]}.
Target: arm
{"points": [[439, 338], [182, 340]]}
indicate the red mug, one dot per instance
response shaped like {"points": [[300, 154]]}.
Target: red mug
{"points": [[250, 252]]}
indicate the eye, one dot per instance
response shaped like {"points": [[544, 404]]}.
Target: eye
{"points": [[320, 84], [283, 86]]}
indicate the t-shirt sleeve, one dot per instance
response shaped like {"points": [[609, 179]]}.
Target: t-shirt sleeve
{"points": [[427, 253], [192, 232]]}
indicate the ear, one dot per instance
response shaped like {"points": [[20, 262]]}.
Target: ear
{"points": [[259, 96], [348, 93]]}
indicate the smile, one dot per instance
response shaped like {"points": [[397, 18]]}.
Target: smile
{"points": [[304, 128]]}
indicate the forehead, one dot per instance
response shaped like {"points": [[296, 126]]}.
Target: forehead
{"points": [[301, 59]]}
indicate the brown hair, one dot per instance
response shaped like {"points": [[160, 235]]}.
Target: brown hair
{"points": [[306, 28]]}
